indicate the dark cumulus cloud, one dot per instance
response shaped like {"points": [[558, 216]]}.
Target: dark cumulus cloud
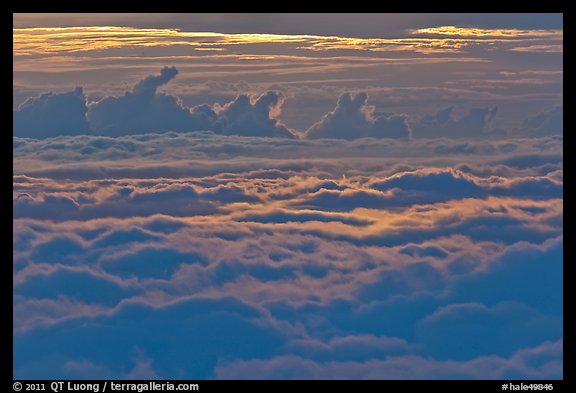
{"points": [[353, 118], [145, 109], [247, 117], [443, 123], [52, 114], [550, 122]]}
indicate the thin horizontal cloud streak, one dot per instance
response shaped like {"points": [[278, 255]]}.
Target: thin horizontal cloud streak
{"points": [[425, 40]]}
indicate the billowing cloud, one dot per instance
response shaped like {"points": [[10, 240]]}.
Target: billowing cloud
{"points": [[353, 118], [145, 109], [232, 323], [449, 332], [252, 117], [52, 114]]}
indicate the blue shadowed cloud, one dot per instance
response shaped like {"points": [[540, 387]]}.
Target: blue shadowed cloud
{"points": [[475, 123], [144, 109], [353, 118], [52, 114]]}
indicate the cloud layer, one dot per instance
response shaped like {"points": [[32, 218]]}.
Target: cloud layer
{"points": [[286, 258]]}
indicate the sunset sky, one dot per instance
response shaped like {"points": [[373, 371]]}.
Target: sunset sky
{"points": [[288, 196]]}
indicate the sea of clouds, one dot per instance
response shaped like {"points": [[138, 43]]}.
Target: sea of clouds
{"points": [[244, 249]]}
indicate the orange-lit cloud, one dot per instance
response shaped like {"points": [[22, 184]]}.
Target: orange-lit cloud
{"points": [[454, 31], [49, 41]]}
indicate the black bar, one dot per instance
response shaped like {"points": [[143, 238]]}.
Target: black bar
{"points": [[99, 386]]}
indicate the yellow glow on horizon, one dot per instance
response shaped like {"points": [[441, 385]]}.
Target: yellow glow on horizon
{"points": [[94, 38], [93, 42], [455, 31], [38, 41]]}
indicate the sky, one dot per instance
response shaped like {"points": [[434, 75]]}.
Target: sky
{"points": [[288, 196]]}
